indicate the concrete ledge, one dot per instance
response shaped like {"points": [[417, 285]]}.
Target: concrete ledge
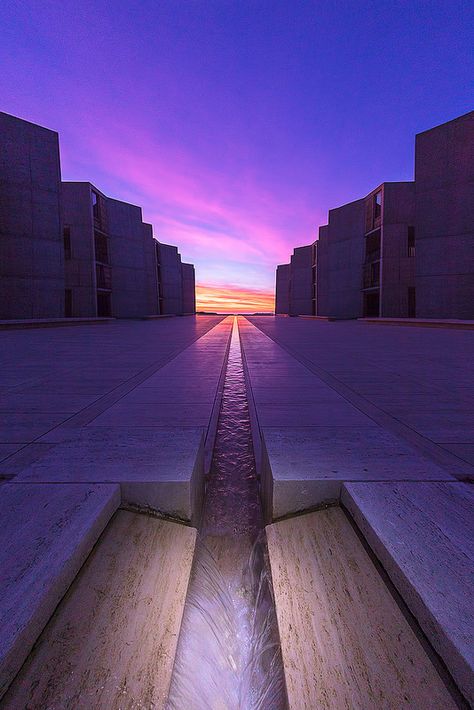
{"points": [[46, 534], [112, 641], [325, 318], [51, 323], [345, 642], [304, 467], [160, 469], [423, 534], [422, 322], [156, 317]]}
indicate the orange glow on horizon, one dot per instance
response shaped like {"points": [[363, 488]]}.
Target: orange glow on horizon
{"points": [[233, 299]]}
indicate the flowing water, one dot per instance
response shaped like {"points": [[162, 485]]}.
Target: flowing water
{"points": [[228, 655]]}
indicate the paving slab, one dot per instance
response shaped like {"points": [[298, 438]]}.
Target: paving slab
{"points": [[128, 413], [46, 534], [333, 413], [162, 469], [415, 382], [464, 451], [304, 467], [111, 643], [345, 642], [423, 534]]}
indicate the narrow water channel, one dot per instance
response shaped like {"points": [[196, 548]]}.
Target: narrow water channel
{"points": [[228, 655]]}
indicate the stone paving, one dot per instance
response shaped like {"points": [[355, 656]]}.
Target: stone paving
{"points": [[376, 421], [379, 420], [97, 417]]}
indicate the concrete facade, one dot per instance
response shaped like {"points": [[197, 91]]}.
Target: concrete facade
{"points": [[170, 279], [68, 250], [444, 178], [301, 281], [388, 279], [31, 253], [189, 289], [109, 255], [134, 290], [406, 250], [282, 303]]}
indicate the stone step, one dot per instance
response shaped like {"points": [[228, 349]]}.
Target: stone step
{"points": [[345, 642], [112, 640], [423, 534], [160, 469], [46, 534]]}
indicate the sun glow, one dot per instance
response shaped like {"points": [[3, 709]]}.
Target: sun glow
{"points": [[233, 299]]}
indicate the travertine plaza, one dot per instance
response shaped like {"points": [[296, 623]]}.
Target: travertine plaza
{"points": [[363, 436]]}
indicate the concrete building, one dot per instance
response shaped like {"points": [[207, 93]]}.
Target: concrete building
{"points": [[176, 282], [189, 289], [388, 279], [444, 179], [282, 300], [31, 252], [301, 284], [67, 250], [109, 256], [405, 250]]}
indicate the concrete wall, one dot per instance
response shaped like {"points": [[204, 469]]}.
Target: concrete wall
{"points": [[398, 268], [189, 289], [322, 272], [282, 289], [444, 176], [130, 246], [301, 281], [31, 247], [151, 272], [171, 290], [80, 274], [345, 256]]}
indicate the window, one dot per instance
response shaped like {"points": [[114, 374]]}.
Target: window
{"points": [[98, 210], [68, 303], [373, 211], [372, 247], [411, 241], [101, 248], [378, 205], [103, 276], [67, 242]]}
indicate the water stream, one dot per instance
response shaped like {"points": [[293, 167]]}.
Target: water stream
{"points": [[228, 655]]}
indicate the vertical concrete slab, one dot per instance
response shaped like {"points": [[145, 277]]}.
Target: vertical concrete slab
{"points": [[345, 642], [111, 643]]}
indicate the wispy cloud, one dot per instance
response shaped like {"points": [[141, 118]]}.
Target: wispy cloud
{"points": [[230, 299]]}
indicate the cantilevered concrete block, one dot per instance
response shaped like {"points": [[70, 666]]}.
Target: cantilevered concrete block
{"points": [[423, 534], [304, 467], [112, 641], [160, 469], [345, 642], [47, 532]]}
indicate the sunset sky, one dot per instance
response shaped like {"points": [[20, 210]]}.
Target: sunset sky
{"points": [[236, 124]]}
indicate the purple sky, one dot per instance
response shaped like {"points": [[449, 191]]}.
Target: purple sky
{"points": [[236, 125]]}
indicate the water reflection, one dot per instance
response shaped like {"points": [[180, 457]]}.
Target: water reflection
{"points": [[228, 655]]}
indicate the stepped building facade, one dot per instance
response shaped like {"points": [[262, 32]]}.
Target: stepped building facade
{"points": [[406, 250], [68, 250]]}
